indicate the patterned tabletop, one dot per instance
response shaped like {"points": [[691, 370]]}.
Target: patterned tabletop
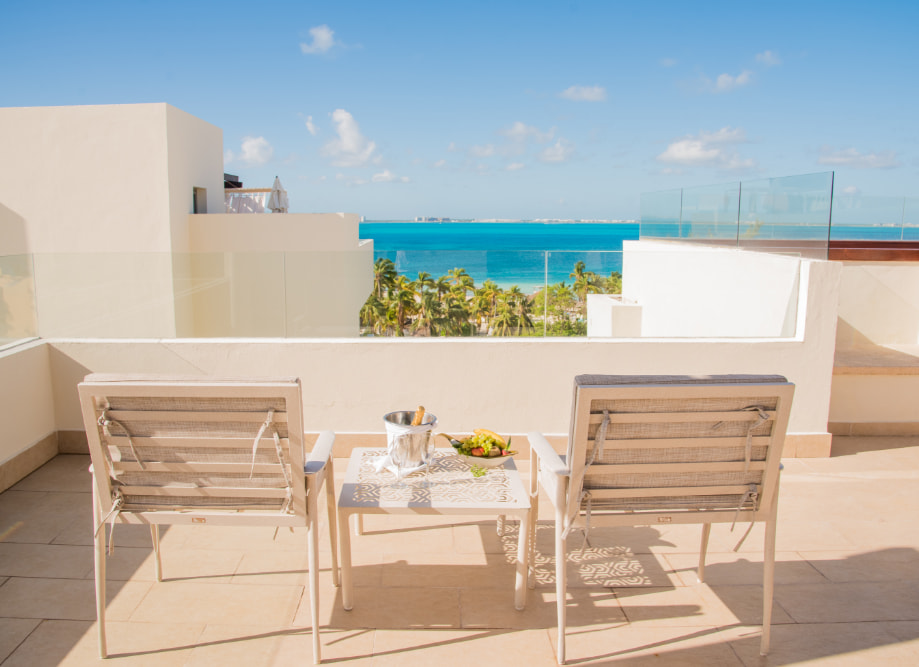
{"points": [[447, 484]]}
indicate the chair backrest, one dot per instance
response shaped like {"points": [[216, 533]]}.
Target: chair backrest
{"points": [[177, 446], [677, 444]]}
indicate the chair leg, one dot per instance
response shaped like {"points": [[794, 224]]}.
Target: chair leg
{"points": [[333, 519], [561, 582], [312, 510], [158, 563], [99, 562], [769, 573], [703, 550]]}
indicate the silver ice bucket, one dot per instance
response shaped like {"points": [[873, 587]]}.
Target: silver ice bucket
{"points": [[409, 447]]}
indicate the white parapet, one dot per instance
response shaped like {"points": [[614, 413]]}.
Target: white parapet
{"points": [[611, 316]]}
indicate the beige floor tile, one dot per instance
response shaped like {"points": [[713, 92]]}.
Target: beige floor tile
{"points": [[482, 537], [739, 569], [45, 560], [67, 599], [460, 648], [675, 607], [65, 472], [850, 602], [886, 564], [452, 570], [388, 608], [585, 608], [39, 517], [194, 602], [229, 645], [905, 631], [637, 646], [829, 645], [745, 603], [13, 632], [75, 644], [399, 537], [606, 566]]}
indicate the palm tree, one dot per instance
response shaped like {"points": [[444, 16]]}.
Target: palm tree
{"points": [[384, 276], [430, 315], [521, 307], [402, 303], [373, 314], [504, 318], [424, 280], [442, 286], [584, 281]]}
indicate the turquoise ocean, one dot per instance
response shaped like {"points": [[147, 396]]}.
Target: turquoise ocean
{"points": [[531, 254], [509, 253]]}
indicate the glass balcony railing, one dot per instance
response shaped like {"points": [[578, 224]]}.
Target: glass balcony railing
{"points": [[797, 214], [18, 319]]}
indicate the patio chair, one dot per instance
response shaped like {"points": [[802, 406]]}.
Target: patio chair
{"points": [[204, 451], [658, 450]]}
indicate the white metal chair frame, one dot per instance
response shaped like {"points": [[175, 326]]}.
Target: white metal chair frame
{"points": [[204, 451], [651, 450]]}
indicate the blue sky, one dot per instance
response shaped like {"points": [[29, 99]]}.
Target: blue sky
{"points": [[498, 109]]}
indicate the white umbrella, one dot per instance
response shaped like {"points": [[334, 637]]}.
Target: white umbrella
{"points": [[277, 200]]}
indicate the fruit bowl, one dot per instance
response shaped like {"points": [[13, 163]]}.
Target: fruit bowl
{"points": [[476, 448], [486, 461]]}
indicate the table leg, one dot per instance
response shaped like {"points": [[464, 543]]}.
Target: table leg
{"points": [[344, 534], [523, 552]]}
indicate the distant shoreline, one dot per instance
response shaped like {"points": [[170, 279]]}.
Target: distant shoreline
{"points": [[548, 221]]}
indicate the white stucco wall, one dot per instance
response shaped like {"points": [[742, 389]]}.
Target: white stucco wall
{"points": [[100, 195], [87, 178], [880, 302], [688, 290], [26, 399]]}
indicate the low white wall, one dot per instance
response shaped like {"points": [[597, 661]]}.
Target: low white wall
{"points": [[27, 413], [879, 301], [688, 290]]}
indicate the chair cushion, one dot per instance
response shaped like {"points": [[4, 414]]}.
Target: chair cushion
{"points": [[613, 380]]}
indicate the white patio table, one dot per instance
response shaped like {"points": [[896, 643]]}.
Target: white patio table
{"points": [[447, 487]]}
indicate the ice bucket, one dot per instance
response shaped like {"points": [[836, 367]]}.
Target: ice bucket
{"points": [[409, 447]]}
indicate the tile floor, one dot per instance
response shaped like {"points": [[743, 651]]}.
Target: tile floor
{"points": [[439, 591]]}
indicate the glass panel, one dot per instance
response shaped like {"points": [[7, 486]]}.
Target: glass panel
{"points": [[910, 230], [867, 218], [17, 299], [788, 213], [709, 213], [661, 214]]}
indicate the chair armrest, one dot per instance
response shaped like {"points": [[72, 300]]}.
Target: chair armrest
{"points": [[550, 461], [322, 452]]}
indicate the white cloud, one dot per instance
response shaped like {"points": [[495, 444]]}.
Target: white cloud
{"points": [[515, 166], [708, 149], [323, 40], [253, 152], [668, 62], [483, 151], [452, 147], [768, 58], [386, 176], [850, 157], [584, 93], [560, 151], [351, 148], [310, 126], [440, 164], [726, 82], [850, 190], [521, 132]]}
